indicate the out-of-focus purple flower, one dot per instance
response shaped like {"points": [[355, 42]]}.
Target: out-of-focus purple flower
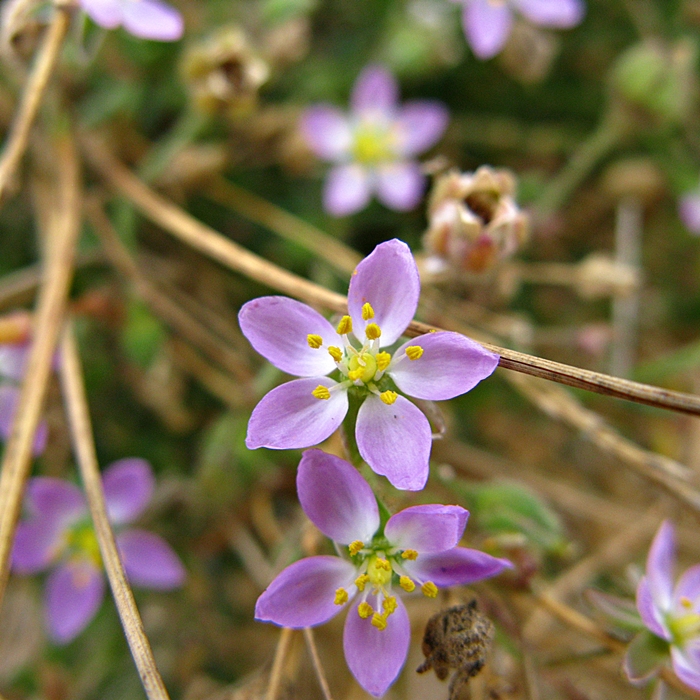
{"points": [[417, 549], [488, 23], [58, 534], [689, 211], [374, 147], [145, 19], [670, 613], [393, 436]]}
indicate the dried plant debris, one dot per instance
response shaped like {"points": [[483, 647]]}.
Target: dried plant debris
{"points": [[457, 638]]}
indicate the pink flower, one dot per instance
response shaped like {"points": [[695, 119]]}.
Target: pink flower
{"points": [[145, 19], [58, 535], [689, 211], [393, 436], [375, 145], [416, 549]]}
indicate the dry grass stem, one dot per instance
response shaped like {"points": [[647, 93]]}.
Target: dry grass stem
{"points": [[203, 238], [51, 306], [32, 96], [84, 447], [275, 682], [315, 659]]}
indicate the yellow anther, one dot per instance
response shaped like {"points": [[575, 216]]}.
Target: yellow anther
{"points": [[389, 605], [429, 589], [341, 597], [362, 367], [379, 621], [373, 331], [364, 610], [336, 353], [388, 397], [686, 602], [379, 571], [314, 341], [355, 547], [414, 352], [344, 326], [322, 392], [355, 374], [409, 554], [383, 359], [361, 582], [383, 564], [407, 584], [367, 312]]}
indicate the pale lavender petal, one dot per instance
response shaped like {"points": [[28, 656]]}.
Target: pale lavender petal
{"points": [[327, 132], [429, 528], [303, 594], [37, 543], [400, 186], [553, 13], [450, 365], [388, 279], [337, 500], [13, 360], [278, 328], [660, 563], [686, 596], [686, 664], [486, 26], [375, 91], [73, 595], [150, 19], [651, 615], [375, 657], [149, 560], [455, 567], [395, 441], [347, 190], [9, 398], [128, 486], [419, 126], [58, 500], [106, 13], [689, 212], [290, 417]]}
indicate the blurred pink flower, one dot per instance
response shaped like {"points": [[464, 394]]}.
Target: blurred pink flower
{"points": [[145, 19]]}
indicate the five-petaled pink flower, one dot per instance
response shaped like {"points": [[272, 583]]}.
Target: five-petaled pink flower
{"points": [[145, 19], [374, 147], [393, 435], [416, 550], [671, 613], [487, 23], [58, 534]]}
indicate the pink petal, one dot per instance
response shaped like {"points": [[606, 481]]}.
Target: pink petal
{"points": [[73, 595], [689, 212], [660, 563], [347, 190], [429, 528], [375, 91], [37, 543], [149, 560], [105, 13], [54, 499], [9, 398], [395, 441], [278, 328], [13, 360], [327, 132], [651, 615], [374, 656], [450, 365], [303, 594], [486, 26], [336, 498], [419, 126], [553, 13], [455, 567], [150, 19], [388, 279], [128, 485], [687, 588], [290, 417], [686, 664], [400, 186]]}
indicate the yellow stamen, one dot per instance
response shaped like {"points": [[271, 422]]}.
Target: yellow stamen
{"points": [[414, 352], [361, 582], [409, 554], [379, 621], [355, 374], [379, 571], [364, 610], [383, 359], [363, 367], [388, 397], [373, 331], [407, 584], [389, 605], [367, 312], [344, 326], [321, 392], [336, 353], [341, 597], [686, 602], [429, 589], [314, 341], [355, 547]]}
